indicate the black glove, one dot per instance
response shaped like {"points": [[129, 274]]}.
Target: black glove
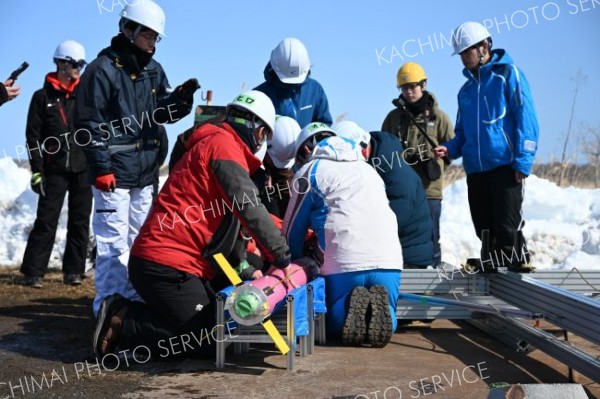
{"points": [[37, 183], [187, 89], [283, 261]]}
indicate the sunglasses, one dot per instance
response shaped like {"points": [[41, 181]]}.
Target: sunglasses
{"points": [[76, 64], [150, 36]]}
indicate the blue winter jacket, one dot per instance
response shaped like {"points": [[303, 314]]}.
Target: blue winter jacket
{"points": [[407, 198], [305, 102], [496, 123]]}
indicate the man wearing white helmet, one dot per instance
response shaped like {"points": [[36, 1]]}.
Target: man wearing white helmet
{"points": [[343, 200], [296, 95], [288, 84], [200, 211], [58, 166], [124, 97], [278, 165], [496, 135]]}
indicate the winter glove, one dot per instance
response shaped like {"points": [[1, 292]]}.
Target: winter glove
{"points": [[245, 270], [187, 89], [106, 182], [37, 183], [283, 261]]}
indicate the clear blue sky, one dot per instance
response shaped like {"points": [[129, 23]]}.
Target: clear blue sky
{"points": [[356, 48]]}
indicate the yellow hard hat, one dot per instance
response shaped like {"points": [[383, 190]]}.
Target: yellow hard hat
{"points": [[411, 72]]}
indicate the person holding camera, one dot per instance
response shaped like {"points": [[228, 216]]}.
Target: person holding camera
{"points": [[8, 91], [421, 126]]}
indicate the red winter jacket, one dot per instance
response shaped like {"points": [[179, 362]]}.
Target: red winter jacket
{"points": [[199, 210]]}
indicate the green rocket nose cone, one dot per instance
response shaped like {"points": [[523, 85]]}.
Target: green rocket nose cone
{"points": [[247, 305]]}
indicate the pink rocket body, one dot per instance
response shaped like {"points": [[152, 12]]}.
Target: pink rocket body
{"points": [[277, 285]]}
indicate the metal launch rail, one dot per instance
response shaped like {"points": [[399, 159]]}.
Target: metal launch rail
{"points": [[501, 303]]}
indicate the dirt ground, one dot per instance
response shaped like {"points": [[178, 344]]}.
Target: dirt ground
{"points": [[45, 352]]}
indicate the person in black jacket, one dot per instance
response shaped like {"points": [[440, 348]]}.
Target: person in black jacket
{"points": [[403, 188], [124, 98], [58, 166]]}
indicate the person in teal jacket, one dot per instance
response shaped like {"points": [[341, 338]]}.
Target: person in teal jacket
{"points": [[497, 137]]}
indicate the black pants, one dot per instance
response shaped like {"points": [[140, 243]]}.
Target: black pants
{"points": [[178, 318], [41, 238], [495, 199], [435, 206]]}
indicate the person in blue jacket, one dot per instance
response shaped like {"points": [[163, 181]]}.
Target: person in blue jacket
{"points": [[497, 137], [296, 95], [403, 188], [288, 84]]}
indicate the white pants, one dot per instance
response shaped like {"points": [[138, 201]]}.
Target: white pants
{"points": [[118, 217]]}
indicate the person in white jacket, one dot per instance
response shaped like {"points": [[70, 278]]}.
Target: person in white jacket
{"points": [[342, 198]]}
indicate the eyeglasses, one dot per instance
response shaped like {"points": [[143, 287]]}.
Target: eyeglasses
{"points": [[408, 86], [150, 36]]}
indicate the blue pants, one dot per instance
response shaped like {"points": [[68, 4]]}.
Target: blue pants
{"points": [[339, 286]]}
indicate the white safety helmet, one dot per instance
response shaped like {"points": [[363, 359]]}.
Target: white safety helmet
{"points": [[70, 50], [467, 35], [290, 61], [282, 146], [310, 135], [146, 13], [257, 103], [351, 130]]}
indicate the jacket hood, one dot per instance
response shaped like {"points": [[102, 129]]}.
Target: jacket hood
{"points": [[498, 57], [337, 149], [208, 129]]}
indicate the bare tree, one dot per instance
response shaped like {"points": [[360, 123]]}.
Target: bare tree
{"points": [[580, 78], [590, 139]]}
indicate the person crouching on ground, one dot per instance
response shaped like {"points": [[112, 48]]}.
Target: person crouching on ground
{"points": [[343, 200], [208, 197], [403, 188]]}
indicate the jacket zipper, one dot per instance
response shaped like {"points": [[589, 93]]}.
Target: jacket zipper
{"points": [[478, 119], [64, 118]]}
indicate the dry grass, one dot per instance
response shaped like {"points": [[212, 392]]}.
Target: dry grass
{"points": [[582, 176]]}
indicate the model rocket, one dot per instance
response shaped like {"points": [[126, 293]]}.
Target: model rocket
{"points": [[251, 302]]}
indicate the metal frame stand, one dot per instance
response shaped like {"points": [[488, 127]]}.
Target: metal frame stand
{"points": [[243, 336]]}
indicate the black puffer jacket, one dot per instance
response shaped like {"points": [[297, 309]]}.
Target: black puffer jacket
{"points": [[123, 99], [50, 140]]}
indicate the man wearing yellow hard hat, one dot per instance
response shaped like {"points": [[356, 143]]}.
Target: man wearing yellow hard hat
{"points": [[421, 125]]}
